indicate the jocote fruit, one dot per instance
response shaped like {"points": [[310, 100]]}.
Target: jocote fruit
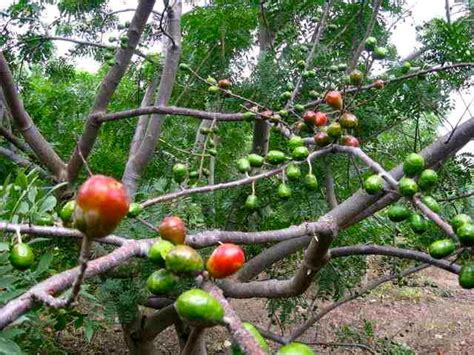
{"points": [[295, 349], [225, 260], [172, 228], [183, 259], [373, 184], [21, 256], [199, 308], [161, 282]]}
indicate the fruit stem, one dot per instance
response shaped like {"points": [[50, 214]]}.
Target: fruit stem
{"points": [[18, 234], [310, 167], [253, 187]]}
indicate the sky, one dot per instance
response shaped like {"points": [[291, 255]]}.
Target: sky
{"points": [[403, 37]]}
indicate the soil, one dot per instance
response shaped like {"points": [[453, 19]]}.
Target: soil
{"points": [[430, 315]]}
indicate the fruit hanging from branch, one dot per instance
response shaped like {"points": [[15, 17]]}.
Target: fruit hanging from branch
{"points": [[101, 203], [413, 164], [198, 308], [158, 251], [183, 259], [442, 248], [21, 256], [466, 276], [373, 184], [225, 260], [161, 282], [348, 120], [295, 349], [224, 84], [334, 99], [172, 228]]}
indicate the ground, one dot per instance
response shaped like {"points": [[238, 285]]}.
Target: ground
{"points": [[431, 315]]}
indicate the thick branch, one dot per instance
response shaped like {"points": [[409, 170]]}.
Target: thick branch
{"points": [[329, 185], [40, 146], [108, 86]]}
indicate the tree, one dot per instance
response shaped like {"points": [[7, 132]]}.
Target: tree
{"points": [[311, 90]]}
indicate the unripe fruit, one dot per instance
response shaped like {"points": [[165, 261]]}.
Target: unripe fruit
{"points": [[21, 256], [161, 282], [466, 234], [299, 108], [314, 94], [184, 66], [172, 228], [334, 130], [294, 142], [413, 164], [255, 160], [158, 251], [224, 84], [428, 178], [380, 53], [251, 202], [322, 139], [334, 99], [180, 171], [67, 212], [213, 89], [295, 349], [370, 43], [460, 220], [311, 182], [243, 165], [283, 113], [225, 260], [286, 95], [183, 259], [249, 116], [256, 335], [442, 248], [356, 77], [300, 153], [466, 276], [405, 68], [349, 141], [301, 64], [342, 67], [284, 191], [101, 203], [418, 223], [407, 187], [275, 157], [373, 184], [398, 213], [198, 308], [348, 120], [211, 81], [293, 172], [431, 203], [134, 210]]}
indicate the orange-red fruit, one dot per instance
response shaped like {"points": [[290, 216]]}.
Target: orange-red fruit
{"points": [[322, 139], [309, 117], [101, 204], [224, 84], [321, 119], [378, 84], [172, 228], [350, 141], [225, 260], [334, 99]]}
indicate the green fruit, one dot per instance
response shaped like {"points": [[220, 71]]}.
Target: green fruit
{"points": [[466, 234], [249, 116], [408, 187], [373, 184], [251, 202], [398, 213], [286, 95], [275, 157], [406, 67], [301, 64], [158, 251], [442, 248], [460, 220], [370, 43], [284, 191], [431, 203], [300, 153], [161, 282], [413, 164], [134, 210], [466, 276], [193, 175], [243, 165], [299, 108], [213, 89], [293, 172], [256, 335], [333, 68], [67, 211], [418, 223], [314, 94], [311, 182], [255, 160], [342, 67], [334, 130], [356, 77], [199, 308], [184, 66], [348, 120], [283, 113], [180, 171], [428, 178], [212, 152], [21, 256], [211, 81], [295, 349], [380, 53], [294, 142], [43, 220], [183, 259]]}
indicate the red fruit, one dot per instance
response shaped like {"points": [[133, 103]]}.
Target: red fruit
{"points": [[321, 119], [378, 84], [266, 115], [101, 203], [225, 260], [172, 228], [322, 139], [349, 141], [310, 117], [224, 84], [334, 99]]}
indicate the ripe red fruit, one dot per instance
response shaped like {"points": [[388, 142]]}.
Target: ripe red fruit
{"points": [[172, 228], [322, 139], [321, 119], [101, 203], [350, 141], [310, 117], [225, 260], [224, 84], [334, 99], [378, 84]]}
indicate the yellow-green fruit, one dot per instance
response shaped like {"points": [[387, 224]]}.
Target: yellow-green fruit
{"points": [[284, 191], [300, 153], [311, 182], [256, 335], [161, 282], [413, 164], [407, 187], [158, 251], [431, 203], [243, 165], [294, 142], [373, 184], [275, 157], [183, 259], [418, 223], [295, 349], [67, 211], [293, 172], [255, 160], [198, 308], [134, 210], [251, 202]]}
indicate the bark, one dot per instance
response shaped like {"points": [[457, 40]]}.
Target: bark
{"points": [[137, 163], [24, 163], [196, 343], [40, 146], [108, 87]]}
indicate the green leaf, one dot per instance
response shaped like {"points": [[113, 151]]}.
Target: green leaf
{"points": [[9, 347], [48, 204], [32, 192], [7, 296], [4, 246], [7, 280], [21, 180], [44, 263], [88, 330], [11, 332]]}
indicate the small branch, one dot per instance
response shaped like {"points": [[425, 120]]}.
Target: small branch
{"points": [[459, 197], [15, 141], [24, 163]]}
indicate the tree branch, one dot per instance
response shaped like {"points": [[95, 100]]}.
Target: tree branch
{"points": [[108, 86], [43, 150], [24, 163]]}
